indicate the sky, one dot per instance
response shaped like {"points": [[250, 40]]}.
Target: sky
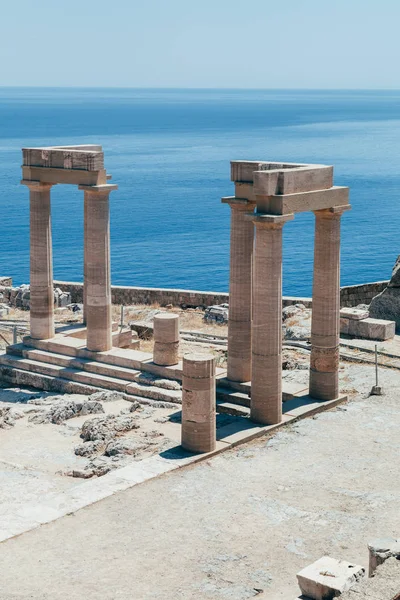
{"points": [[200, 44]]}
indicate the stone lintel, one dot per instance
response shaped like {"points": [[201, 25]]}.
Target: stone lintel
{"points": [[335, 199], [105, 187], [242, 170], [69, 176], [293, 180], [282, 178], [86, 158]]}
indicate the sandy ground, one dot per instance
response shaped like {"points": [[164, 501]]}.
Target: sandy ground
{"points": [[225, 529]]}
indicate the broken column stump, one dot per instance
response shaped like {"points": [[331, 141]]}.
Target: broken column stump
{"points": [[166, 339], [198, 403]]}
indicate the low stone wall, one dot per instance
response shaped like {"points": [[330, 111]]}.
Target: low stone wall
{"points": [[352, 295], [127, 295], [349, 295]]}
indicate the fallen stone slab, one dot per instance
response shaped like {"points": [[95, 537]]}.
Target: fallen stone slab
{"points": [[328, 577]]}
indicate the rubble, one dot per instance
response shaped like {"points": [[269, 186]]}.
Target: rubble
{"points": [[296, 322], [19, 297], [108, 427], [61, 410], [8, 416]]}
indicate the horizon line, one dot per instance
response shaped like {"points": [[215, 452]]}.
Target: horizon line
{"points": [[204, 88]]}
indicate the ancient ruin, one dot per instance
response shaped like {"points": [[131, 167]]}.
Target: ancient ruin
{"points": [[267, 195]]}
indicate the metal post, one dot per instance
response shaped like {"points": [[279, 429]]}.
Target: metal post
{"points": [[376, 389], [15, 337], [122, 317]]}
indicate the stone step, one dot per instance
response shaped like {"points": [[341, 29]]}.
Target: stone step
{"points": [[230, 396], [91, 379], [80, 364], [120, 357], [230, 408]]}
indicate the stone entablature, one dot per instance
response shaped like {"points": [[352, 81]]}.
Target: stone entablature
{"points": [[79, 165]]}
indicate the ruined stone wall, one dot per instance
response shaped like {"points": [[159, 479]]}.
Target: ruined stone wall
{"points": [[350, 295], [137, 295]]}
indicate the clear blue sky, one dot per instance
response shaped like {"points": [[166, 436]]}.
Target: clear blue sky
{"points": [[201, 43]]}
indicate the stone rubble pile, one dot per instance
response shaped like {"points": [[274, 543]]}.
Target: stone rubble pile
{"points": [[19, 297]]}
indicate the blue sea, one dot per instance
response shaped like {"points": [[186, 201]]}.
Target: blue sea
{"points": [[169, 153]]}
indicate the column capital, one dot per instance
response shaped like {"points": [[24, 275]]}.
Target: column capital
{"points": [[335, 212], [95, 189], [238, 203], [37, 186], [269, 221]]}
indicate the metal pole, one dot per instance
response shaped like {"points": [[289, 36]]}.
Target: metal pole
{"points": [[15, 338], [122, 316], [376, 365]]}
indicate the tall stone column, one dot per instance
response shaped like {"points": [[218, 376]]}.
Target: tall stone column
{"points": [[41, 261], [240, 290], [266, 381], [325, 324], [97, 267], [85, 222]]}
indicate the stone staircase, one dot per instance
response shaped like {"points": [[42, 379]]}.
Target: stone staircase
{"points": [[64, 364], [26, 364]]}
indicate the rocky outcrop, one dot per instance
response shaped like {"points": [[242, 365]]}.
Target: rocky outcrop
{"points": [[296, 323], [386, 305]]}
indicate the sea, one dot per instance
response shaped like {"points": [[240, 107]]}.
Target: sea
{"points": [[169, 152]]}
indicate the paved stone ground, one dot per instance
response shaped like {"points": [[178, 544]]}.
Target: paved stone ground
{"points": [[244, 521]]}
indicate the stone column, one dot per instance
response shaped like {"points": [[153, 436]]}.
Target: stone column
{"points": [[198, 403], [97, 267], [166, 339], [85, 249], [325, 324], [266, 381], [41, 262], [240, 290]]}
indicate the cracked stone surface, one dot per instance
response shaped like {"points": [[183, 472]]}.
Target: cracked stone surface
{"points": [[225, 529]]}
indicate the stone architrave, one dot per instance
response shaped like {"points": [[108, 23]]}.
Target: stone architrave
{"points": [[325, 321], [240, 290], [41, 261], [166, 339], [198, 403], [97, 267]]}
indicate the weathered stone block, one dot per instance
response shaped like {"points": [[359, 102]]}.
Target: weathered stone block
{"points": [[354, 313], [374, 329], [327, 578]]}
